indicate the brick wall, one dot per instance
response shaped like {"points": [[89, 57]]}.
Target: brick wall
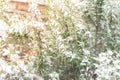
{"points": [[21, 7]]}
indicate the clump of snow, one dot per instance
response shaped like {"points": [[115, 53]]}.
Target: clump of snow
{"points": [[3, 29]]}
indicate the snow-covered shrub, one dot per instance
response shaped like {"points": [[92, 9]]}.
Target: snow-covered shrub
{"points": [[78, 31]]}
